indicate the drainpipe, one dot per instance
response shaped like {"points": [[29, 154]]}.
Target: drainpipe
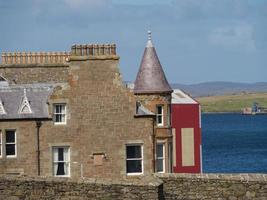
{"points": [[38, 126]]}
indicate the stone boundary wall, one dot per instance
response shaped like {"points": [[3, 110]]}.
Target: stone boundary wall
{"points": [[161, 186], [214, 186], [18, 188]]}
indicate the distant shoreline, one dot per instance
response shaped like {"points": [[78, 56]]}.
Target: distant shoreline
{"points": [[221, 113], [231, 103]]}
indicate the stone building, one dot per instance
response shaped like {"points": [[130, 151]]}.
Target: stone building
{"points": [[68, 114]]}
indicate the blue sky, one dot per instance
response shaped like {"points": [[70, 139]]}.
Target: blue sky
{"points": [[196, 40]]}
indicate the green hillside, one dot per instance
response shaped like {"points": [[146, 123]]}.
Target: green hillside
{"points": [[231, 103]]}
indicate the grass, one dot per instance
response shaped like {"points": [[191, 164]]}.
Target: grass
{"points": [[232, 103]]}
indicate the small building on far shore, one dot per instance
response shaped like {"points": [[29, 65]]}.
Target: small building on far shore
{"points": [[186, 125]]}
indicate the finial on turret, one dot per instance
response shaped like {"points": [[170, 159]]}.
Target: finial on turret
{"points": [[149, 35], [24, 92], [149, 42]]}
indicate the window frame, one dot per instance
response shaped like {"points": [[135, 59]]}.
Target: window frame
{"points": [[55, 162], [55, 113], [137, 159], [160, 115], [15, 143], [163, 158]]}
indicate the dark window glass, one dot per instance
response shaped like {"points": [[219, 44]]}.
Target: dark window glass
{"points": [[159, 165], [60, 169], [58, 109], [60, 154], [159, 119], [10, 136], [160, 150], [134, 166], [159, 109], [10, 149], [134, 152], [58, 118]]}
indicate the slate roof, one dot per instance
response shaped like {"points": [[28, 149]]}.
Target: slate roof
{"points": [[151, 77], [37, 94], [142, 111]]}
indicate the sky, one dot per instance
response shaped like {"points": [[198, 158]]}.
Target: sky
{"points": [[196, 40]]}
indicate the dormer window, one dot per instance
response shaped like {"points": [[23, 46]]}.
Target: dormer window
{"points": [[159, 115], [3, 81], [2, 109], [25, 107], [59, 113]]}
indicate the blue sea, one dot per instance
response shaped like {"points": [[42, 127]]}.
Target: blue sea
{"points": [[234, 143]]}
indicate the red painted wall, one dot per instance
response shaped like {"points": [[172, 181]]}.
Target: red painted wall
{"points": [[187, 116]]}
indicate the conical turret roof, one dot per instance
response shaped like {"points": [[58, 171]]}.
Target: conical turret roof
{"points": [[151, 77]]}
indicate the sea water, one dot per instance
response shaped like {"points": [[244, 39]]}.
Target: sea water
{"points": [[234, 143]]}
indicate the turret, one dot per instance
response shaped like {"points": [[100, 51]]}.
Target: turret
{"points": [[154, 92], [151, 78]]}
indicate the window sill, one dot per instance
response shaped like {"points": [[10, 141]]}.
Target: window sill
{"points": [[134, 174], [163, 127], [60, 124], [10, 157], [62, 176]]}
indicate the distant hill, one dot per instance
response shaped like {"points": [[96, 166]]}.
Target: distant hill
{"points": [[221, 88]]}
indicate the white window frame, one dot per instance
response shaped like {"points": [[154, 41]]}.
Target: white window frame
{"points": [[142, 160], [162, 115], [62, 113], [54, 162], [161, 158], [15, 143]]}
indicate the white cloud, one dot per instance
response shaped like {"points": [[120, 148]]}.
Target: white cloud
{"points": [[236, 38]]}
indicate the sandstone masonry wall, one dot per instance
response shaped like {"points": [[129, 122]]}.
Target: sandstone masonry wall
{"points": [[35, 73]]}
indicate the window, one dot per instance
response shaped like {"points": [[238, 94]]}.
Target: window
{"points": [[61, 161], [134, 159], [59, 115], [160, 158], [10, 143], [159, 115]]}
